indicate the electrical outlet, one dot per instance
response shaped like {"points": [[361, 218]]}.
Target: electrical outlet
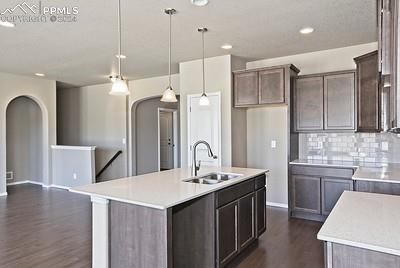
{"points": [[385, 146], [74, 176], [273, 144], [123, 141]]}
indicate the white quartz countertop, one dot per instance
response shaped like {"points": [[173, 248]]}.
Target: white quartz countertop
{"points": [[164, 189], [379, 172], [365, 220]]}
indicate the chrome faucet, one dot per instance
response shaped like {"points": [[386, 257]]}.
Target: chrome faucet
{"points": [[196, 167]]}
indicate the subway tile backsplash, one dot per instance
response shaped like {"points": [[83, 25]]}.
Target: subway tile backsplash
{"points": [[363, 147]]}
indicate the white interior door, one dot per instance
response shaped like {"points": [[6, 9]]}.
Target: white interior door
{"points": [[166, 140], [204, 123]]}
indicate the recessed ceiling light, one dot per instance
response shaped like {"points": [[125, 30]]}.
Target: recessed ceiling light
{"points": [[121, 56], [307, 30], [7, 24], [39, 74], [199, 3], [226, 46]]}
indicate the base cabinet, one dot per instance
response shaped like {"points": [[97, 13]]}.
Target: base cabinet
{"points": [[378, 187], [240, 218], [315, 190], [227, 232], [261, 215]]}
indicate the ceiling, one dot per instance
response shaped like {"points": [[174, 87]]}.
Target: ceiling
{"points": [[83, 52]]}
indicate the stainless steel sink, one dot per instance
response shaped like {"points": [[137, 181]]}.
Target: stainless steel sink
{"points": [[213, 178]]}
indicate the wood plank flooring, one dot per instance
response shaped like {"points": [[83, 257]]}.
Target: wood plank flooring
{"points": [[52, 228]]}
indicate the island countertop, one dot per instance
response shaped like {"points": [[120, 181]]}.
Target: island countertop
{"points": [[165, 189], [365, 220]]}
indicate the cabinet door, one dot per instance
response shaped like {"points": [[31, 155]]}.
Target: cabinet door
{"points": [[332, 189], [339, 101], [306, 191], [227, 232], [261, 215], [246, 88], [367, 93], [309, 98], [271, 86], [247, 232]]}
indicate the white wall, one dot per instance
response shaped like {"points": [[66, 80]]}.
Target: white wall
{"points": [[330, 60], [218, 78], [44, 93], [269, 123]]}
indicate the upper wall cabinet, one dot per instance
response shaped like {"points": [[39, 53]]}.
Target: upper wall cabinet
{"points": [[368, 104], [263, 86], [339, 92], [325, 102]]}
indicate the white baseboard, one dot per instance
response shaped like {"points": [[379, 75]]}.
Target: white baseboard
{"points": [[3, 194], [279, 205], [17, 182], [60, 187]]}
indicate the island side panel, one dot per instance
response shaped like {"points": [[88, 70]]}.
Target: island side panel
{"points": [[194, 233], [343, 256], [141, 237]]}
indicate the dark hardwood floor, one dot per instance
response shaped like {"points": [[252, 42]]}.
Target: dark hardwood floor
{"points": [[52, 228]]}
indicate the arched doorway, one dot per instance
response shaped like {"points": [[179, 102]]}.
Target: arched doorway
{"points": [[24, 140], [145, 134]]}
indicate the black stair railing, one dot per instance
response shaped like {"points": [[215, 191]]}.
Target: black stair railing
{"points": [[108, 164]]}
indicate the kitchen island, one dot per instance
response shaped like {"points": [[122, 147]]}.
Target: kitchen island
{"points": [[162, 220], [362, 231]]}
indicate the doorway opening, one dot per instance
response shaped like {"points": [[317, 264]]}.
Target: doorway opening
{"points": [[24, 141], [167, 138]]}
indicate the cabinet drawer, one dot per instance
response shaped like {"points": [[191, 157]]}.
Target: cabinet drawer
{"points": [[232, 193], [322, 171], [260, 182]]}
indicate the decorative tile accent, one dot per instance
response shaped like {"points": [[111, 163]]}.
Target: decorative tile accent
{"points": [[364, 147]]}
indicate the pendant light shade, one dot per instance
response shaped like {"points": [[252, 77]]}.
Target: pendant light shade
{"points": [[119, 85], [169, 94], [204, 101], [119, 88]]}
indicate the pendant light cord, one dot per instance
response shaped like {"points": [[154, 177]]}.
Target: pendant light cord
{"points": [[204, 79], [169, 52], [119, 39]]}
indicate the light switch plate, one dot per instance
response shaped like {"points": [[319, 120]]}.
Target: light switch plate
{"points": [[385, 146], [75, 176], [273, 144]]}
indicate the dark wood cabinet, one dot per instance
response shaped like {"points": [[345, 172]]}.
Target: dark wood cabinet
{"points": [[263, 86], [339, 101], [271, 86], [246, 224], [378, 187], [368, 98], [246, 88], [309, 101], [306, 194], [315, 190], [261, 215], [332, 188], [240, 217], [325, 102], [227, 232]]}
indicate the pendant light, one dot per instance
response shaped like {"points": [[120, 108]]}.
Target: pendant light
{"points": [[169, 94], [119, 85], [204, 100]]}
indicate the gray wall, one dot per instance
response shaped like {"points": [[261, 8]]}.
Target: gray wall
{"points": [[44, 93], [145, 134], [73, 160], [89, 116], [24, 140]]}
